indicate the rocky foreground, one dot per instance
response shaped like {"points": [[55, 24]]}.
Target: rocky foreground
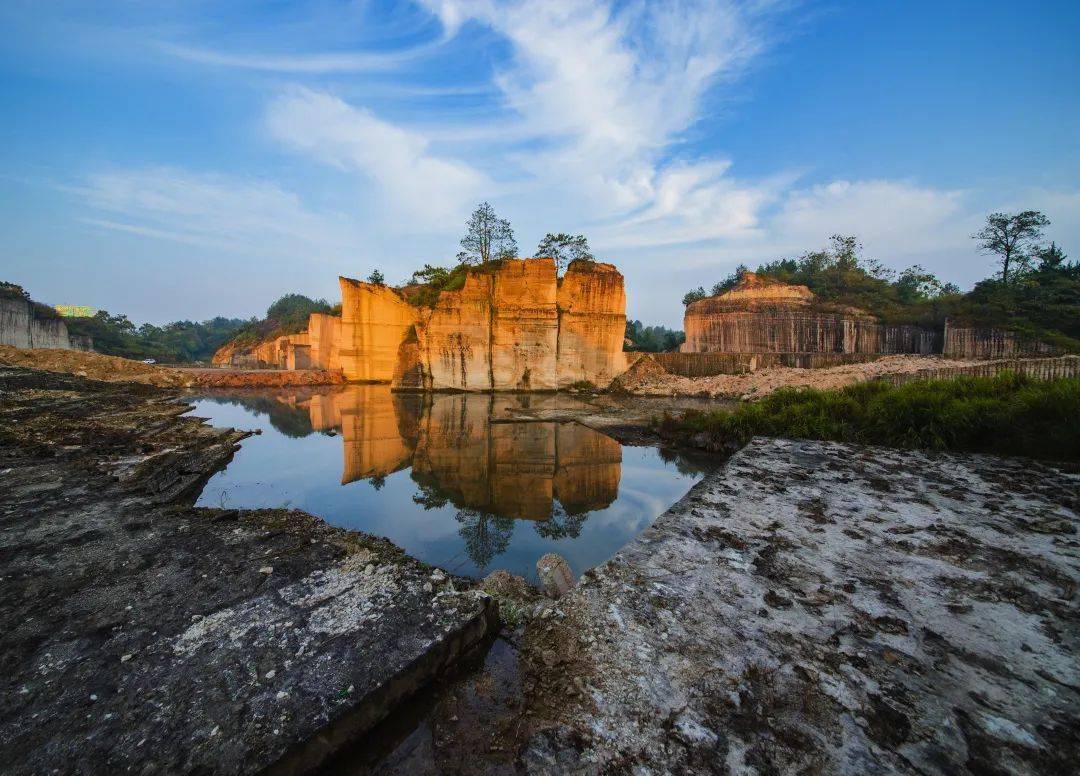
{"points": [[139, 634], [822, 608]]}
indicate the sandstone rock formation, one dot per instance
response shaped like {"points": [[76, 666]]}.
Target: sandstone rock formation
{"points": [[511, 326], [762, 315], [374, 322]]}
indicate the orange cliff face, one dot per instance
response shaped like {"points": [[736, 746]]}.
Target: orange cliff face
{"points": [[374, 323], [519, 327], [514, 326], [592, 324]]}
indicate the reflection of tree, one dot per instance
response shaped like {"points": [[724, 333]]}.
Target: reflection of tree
{"points": [[428, 495], [290, 420], [486, 535], [378, 481], [688, 463], [562, 524]]}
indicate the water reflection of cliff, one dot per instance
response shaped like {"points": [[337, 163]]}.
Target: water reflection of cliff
{"points": [[462, 450]]}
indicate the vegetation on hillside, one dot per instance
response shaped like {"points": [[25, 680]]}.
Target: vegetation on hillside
{"points": [[288, 315], [1007, 415], [115, 335], [177, 342], [15, 291], [1036, 293], [652, 339]]}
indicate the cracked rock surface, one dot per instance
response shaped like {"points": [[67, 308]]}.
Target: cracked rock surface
{"points": [[138, 634], [826, 608]]}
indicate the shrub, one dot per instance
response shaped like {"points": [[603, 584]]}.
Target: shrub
{"points": [[1008, 414]]}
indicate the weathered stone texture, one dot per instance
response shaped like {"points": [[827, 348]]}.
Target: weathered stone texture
{"points": [[981, 342], [324, 337], [138, 635], [592, 324], [454, 337], [525, 326], [512, 326], [20, 327], [374, 322], [764, 316], [827, 608]]}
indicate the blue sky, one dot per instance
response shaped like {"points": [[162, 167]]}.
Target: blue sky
{"points": [[186, 159]]}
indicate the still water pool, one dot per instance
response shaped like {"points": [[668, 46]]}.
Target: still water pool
{"points": [[451, 478]]}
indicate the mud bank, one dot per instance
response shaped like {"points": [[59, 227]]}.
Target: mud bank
{"points": [[141, 634], [113, 369], [817, 607]]}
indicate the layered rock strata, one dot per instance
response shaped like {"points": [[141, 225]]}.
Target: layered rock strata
{"points": [[761, 315], [512, 326], [982, 342]]}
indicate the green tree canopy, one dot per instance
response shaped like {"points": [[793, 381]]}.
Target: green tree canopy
{"points": [[564, 249], [487, 237]]}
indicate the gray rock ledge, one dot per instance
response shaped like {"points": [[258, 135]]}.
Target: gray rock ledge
{"points": [[823, 608], [140, 635]]}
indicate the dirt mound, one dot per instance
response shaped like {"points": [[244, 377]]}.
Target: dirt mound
{"points": [[642, 374], [96, 366], [114, 369]]}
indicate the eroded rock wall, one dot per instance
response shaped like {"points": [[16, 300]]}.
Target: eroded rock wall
{"points": [[20, 327], [714, 326], [374, 322], [592, 324], [324, 337], [519, 327], [981, 342], [514, 327]]}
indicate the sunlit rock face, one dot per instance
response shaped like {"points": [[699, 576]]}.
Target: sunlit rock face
{"points": [[324, 338], [374, 322], [454, 338], [761, 315], [512, 327], [519, 327], [592, 324]]}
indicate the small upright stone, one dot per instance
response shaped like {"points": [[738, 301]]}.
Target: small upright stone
{"points": [[556, 578]]}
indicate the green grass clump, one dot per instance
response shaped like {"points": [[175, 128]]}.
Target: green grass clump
{"points": [[1007, 415]]}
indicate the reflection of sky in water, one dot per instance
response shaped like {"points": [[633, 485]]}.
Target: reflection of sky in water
{"points": [[302, 468]]}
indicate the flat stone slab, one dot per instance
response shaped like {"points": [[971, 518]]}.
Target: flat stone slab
{"points": [[825, 608], [138, 634]]}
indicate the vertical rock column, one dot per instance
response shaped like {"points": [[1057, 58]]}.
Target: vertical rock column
{"points": [[454, 337], [592, 324], [374, 322], [324, 337], [525, 326]]}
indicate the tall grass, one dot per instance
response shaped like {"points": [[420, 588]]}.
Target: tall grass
{"points": [[1008, 414]]}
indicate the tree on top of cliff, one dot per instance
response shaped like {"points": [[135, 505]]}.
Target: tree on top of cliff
{"points": [[730, 281], [1011, 237], [694, 295], [487, 237], [376, 278], [564, 249]]}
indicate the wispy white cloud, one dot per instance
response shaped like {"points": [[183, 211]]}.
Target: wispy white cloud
{"points": [[213, 211], [308, 64], [432, 191]]}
